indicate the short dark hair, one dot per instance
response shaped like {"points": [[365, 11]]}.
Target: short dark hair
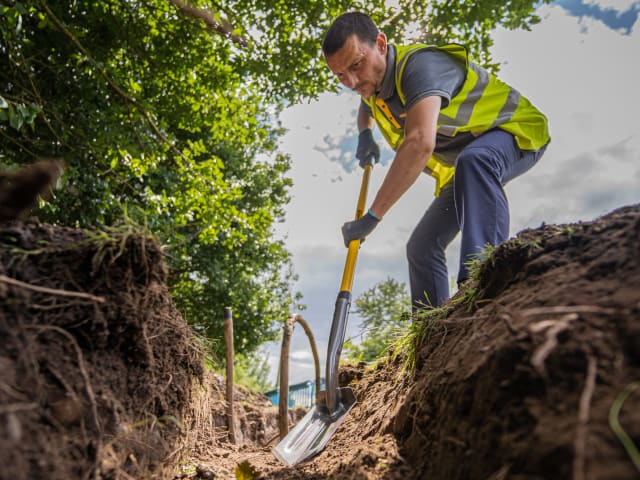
{"points": [[346, 25]]}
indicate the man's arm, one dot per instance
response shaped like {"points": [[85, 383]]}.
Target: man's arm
{"points": [[412, 156], [365, 120]]}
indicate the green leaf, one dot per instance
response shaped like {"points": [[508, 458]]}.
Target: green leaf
{"points": [[245, 471], [15, 119], [20, 8], [135, 87]]}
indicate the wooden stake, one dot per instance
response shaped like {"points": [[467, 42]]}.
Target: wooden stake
{"points": [[283, 392], [228, 338]]}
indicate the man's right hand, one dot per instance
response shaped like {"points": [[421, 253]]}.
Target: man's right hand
{"points": [[359, 229], [367, 147]]}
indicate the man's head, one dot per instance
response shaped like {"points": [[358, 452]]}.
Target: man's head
{"points": [[356, 52]]}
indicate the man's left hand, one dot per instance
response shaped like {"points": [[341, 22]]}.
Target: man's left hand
{"points": [[359, 229], [367, 148]]}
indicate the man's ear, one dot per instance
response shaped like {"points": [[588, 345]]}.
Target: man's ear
{"points": [[381, 43]]}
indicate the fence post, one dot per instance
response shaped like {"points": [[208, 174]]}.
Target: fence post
{"points": [[228, 338], [283, 395]]}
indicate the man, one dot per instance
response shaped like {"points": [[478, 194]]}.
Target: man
{"points": [[442, 115]]}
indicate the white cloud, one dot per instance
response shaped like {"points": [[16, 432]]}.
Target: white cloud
{"points": [[584, 82], [302, 355], [620, 5]]}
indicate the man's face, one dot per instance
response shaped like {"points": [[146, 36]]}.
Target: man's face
{"points": [[359, 65]]}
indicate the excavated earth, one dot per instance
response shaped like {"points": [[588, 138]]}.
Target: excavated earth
{"points": [[530, 372], [96, 365]]}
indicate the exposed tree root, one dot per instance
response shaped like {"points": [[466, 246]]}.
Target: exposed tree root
{"points": [[580, 445], [51, 291], [554, 328]]}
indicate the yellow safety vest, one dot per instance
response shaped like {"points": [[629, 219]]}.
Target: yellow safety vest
{"points": [[483, 103]]}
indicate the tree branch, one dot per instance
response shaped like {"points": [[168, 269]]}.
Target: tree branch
{"points": [[207, 17]]}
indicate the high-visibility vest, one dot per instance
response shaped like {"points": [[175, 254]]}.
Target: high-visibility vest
{"points": [[483, 103]]}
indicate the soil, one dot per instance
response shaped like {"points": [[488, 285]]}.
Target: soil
{"points": [[530, 372], [96, 365]]}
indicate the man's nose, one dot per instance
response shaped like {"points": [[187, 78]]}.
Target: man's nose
{"points": [[349, 80]]}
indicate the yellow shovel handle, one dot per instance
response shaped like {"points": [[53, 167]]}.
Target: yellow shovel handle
{"points": [[354, 245]]}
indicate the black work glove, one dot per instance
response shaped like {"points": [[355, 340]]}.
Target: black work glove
{"points": [[367, 147], [359, 229]]}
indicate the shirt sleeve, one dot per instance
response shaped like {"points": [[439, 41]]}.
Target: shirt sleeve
{"points": [[365, 108], [432, 72]]}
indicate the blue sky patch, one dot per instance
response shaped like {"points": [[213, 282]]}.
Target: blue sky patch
{"points": [[621, 21]]}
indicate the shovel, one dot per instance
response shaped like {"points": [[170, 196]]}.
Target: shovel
{"points": [[313, 432]]}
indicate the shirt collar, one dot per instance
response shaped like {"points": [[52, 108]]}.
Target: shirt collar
{"points": [[389, 82]]}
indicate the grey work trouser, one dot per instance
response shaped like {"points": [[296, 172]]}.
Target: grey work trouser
{"points": [[473, 203]]}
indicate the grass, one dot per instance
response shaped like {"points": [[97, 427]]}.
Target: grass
{"points": [[110, 243], [426, 322], [423, 327]]}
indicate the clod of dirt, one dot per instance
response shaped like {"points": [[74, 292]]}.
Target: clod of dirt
{"points": [[21, 189]]}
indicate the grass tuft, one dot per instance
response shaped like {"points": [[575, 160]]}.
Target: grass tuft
{"points": [[423, 327]]}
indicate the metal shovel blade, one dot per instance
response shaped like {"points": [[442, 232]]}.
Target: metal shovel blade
{"points": [[312, 433]]}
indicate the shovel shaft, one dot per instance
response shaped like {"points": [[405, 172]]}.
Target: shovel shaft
{"points": [[341, 312], [336, 339], [354, 246]]}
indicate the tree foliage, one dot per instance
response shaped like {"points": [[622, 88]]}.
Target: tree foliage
{"points": [[464, 21], [165, 113], [252, 371], [384, 311]]}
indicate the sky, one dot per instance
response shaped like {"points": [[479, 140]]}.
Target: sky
{"points": [[579, 66]]}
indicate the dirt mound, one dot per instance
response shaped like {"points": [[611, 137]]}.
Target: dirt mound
{"points": [[522, 386], [517, 380], [529, 373], [96, 366]]}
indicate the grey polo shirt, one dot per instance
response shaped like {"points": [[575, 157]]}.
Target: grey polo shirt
{"points": [[427, 73]]}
